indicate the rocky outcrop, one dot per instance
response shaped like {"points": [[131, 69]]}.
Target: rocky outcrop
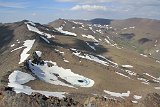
{"points": [[152, 100], [8, 98]]}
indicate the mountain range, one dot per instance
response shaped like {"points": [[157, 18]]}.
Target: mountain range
{"points": [[80, 63]]}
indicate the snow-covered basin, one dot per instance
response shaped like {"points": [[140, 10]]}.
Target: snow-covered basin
{"points": [[59, 76], [18, 78]]}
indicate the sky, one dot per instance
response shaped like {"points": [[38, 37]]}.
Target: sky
{"points": [[45, 11]]}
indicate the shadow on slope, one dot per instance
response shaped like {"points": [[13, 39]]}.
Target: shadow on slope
{"points": [[6, 36]]}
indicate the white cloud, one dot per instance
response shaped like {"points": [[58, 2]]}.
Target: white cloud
{"points": [[86, 1], [67, 0], [12, 4], [89, 7], [124, 2], [34, 14]]}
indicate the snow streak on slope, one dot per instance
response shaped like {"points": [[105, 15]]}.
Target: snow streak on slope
{"points": [[91, 46], [96, 58], [17, 78], [127, 66], [90, 37], [137, 97], [112, 43], [59, 76], [60, 29], [45, 39], [114, 94], [34, 29], [153, 78], [90, 57]]}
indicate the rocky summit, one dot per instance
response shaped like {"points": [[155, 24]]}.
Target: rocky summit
{"points": [[80, 63]]}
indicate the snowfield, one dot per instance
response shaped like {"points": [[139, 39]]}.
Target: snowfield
{"points": [[59, 76], [17, 78], [60, 29]]}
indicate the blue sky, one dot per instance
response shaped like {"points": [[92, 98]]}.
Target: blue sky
{"points": [[45, 11]]}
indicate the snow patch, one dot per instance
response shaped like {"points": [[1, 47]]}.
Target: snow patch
{"points": [[36, 30], [73, 27], [91, 46], [135, 102], [60, 29], [114, 94], [137, 97], [45, 39], [144, 81], [132, 27], [107, 41], [131, 72], [157, 51], [127, 66], [157, 88], [12, 45], [39, 53], [157, 61], [123, 75], [97, 58], [150, 75], [90, 37], [59, 51], [92, 29], [17, 48], [143, 55], [65, 60], [28, 44], [91, 58]]}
